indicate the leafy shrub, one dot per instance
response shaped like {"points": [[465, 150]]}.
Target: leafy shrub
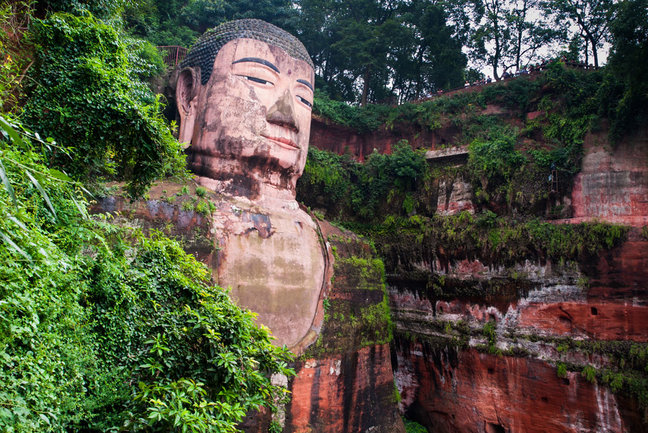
{"points": [[562, 370], [100, 8], [496, 240], [89, 98], [493, 162], [104, 329], [413, 427], [383, 184]]}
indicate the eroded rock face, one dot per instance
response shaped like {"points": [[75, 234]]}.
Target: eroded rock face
{"points": [[453, 391], [360, 145], [504, 349], [613, 182], [455, 196], [346, 384], [350, 392]]}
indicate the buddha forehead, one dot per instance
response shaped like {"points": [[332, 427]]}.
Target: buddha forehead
{"points": [[204, 52]]}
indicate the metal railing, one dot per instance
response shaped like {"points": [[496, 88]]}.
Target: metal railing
{"points": [[173, 54]]}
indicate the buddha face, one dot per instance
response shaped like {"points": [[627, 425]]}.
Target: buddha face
{"points": [[252, 118]]}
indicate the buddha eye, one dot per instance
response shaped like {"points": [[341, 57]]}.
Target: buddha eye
{"points": [[257, 80], [305, 102]]}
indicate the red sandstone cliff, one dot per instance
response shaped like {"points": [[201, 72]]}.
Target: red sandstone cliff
{"points": [[455, 375], [345, 383]]}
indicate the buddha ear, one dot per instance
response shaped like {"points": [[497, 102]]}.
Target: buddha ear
{"points": [[187, 87]]}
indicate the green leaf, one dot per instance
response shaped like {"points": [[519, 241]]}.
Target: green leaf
{"points": [[13, 245], [13, 134], [7, 184], [80, 208], [59, 175], [42, 191]]}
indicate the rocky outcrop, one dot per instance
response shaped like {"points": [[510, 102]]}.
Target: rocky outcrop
{"points": [[450, 390], [547, 347], [348, 392], [360, 144]]}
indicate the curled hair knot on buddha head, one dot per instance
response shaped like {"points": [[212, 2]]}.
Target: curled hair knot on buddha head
{"points": [[204, 51]]}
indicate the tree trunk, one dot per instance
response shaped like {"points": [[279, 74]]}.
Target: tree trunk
{"points": [[365, 89], [594, 53]]}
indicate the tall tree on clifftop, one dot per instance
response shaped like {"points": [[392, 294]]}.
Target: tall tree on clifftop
{"points": [[509, 34], [375, 51], [591, 17]]}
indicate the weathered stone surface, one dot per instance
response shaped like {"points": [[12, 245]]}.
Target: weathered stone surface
{"points": [[271, 256], [346, 384], [360, 145], [350, 392], [455, 196], [453, 391], [613, 183], [248, 123], [456, 376]]}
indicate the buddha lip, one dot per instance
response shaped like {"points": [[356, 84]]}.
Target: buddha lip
{"points": [[284, 142]]}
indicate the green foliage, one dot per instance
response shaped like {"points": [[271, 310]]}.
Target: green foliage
{"points": [[625, 90], [345, 187], [492, 239], [363, 319], [100, 8], [589, 373], [490, 333], [275, 427], [180, 22], [103, 329], [145, 60], [89, 98], [493, 163], [413, 427], [561, 370], [377, 51], [16, 52]]}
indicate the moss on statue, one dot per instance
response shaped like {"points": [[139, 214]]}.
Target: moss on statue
{"points": [[357, 311]]}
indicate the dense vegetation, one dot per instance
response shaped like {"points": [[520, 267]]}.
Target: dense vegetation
{"points": [[373, 51], [393, 198], [102, 328], [105, 329], [90, 96]]}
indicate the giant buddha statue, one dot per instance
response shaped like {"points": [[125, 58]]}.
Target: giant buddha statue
{"points": [[244, 95]]}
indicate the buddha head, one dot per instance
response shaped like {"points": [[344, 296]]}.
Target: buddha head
{"points": [[244, 94]]}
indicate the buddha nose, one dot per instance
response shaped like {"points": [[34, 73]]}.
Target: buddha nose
{"points": [[282, 112]]}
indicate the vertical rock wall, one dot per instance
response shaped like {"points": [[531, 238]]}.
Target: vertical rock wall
{"points": [[537, 352], [344, 382], [613, 182]]}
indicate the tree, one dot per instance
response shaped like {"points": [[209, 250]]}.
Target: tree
{"points": [[529, 31], [371, 51], [626, 83], [591, 17], [510, 34], [88, 96], [492, 38], [429, 57]]}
